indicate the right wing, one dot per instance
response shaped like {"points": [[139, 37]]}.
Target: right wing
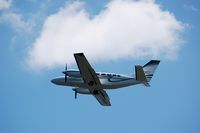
{"points": [[102, 98], [100, 95]]}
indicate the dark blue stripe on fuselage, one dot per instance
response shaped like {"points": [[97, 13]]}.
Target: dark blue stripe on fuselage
{"points": [[148, 74], [118, 80]]}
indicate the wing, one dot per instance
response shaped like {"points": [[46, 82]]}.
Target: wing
{"points": [[87, 72], [102, 98], [100, 95], [90, 78]]}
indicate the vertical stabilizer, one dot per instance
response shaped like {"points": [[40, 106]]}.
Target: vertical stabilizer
{"points": [[150, 68]]}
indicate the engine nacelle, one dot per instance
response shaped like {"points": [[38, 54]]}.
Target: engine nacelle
{"points": [[82, 91], [73, 73]]}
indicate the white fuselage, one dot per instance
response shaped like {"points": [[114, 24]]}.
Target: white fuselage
{"points": [[108, 80]]}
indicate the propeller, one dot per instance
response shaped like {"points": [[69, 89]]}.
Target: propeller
{"points": [[75, 94], [65, 72]]}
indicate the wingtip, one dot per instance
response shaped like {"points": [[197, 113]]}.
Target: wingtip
{"points": [[79, 54], [155, 61]]}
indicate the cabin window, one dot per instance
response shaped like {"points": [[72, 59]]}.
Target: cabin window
{"points": [[103, 74], [108, 74]]}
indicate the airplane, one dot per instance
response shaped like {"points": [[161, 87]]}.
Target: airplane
{"points": [[87, 81]]}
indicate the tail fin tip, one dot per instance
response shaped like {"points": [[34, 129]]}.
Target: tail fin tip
{"points": [[152, 62]]}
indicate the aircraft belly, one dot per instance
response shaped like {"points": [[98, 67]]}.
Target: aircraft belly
{"points": [[106, 83], [76, 82]]}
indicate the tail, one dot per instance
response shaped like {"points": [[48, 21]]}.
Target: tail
{"points": [[150, 68], [145, 73]]}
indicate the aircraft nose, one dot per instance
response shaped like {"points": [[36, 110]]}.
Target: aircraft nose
{"points": [[53, 81]]}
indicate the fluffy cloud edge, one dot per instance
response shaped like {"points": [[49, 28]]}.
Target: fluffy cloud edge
{"points": [[134, 29], [5, 4]]}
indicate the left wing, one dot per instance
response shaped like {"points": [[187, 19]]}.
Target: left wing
{"points": [[91, 79], [87, 72]]}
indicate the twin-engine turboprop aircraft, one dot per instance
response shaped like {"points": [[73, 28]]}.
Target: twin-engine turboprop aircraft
{"points": [[87, 81]]}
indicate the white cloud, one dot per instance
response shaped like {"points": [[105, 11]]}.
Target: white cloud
{"points": [[5, 4], [124, 29], [16, 21]]}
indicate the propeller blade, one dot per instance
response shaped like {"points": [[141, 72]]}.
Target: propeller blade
{"points": [[65, 78], [65, 72], [75, 94], [66, 67]]}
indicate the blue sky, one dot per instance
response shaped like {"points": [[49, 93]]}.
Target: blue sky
{"points": [[31, 103]]}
